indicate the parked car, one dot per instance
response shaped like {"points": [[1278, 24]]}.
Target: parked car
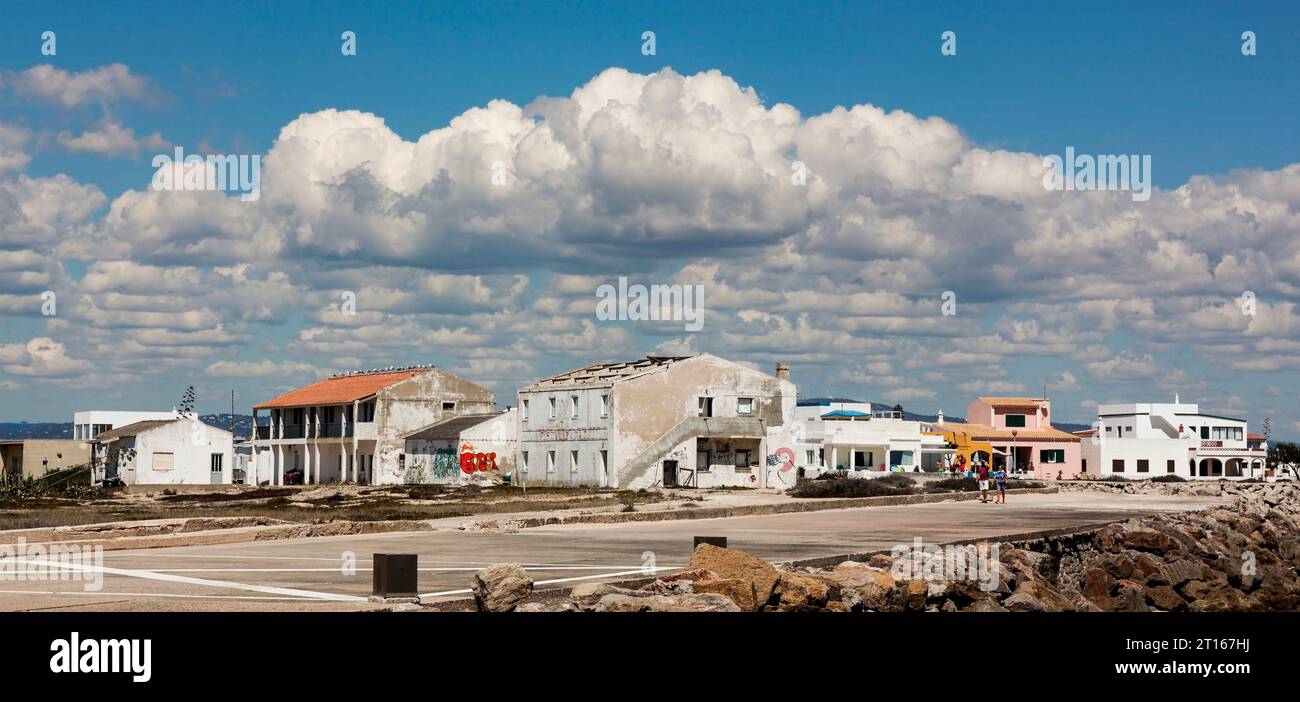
{"points": [[293, 476]]}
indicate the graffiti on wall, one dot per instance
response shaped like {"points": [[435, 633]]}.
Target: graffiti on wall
{"points": [[780, 465], [473, 461]]}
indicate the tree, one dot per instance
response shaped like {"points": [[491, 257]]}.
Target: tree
{"points": [[1283, 452], [187, 403]]}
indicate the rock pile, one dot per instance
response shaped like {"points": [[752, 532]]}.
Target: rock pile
{"points": [[1191, 488], [1243, 557]]}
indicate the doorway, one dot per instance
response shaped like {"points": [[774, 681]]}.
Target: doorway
{"points": [[670, 473]]}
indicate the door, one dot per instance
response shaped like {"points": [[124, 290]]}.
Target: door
{"points": [[670, 473]]}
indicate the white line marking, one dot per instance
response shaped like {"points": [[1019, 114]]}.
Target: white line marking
{"points": [[106, 593], [638, 571], [369, 570], [149, 575]]}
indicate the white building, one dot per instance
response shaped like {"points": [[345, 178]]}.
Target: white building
{"points": [[669, 421], [1148, 440], [88, 424], [851, 437], [175, 451], [352, 427]]}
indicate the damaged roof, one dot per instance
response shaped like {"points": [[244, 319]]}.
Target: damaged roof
{"points": [[605, 373], [449, 429]]}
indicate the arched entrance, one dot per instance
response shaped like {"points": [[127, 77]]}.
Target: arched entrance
{"points": [[1211, 468], [1234, 468]]}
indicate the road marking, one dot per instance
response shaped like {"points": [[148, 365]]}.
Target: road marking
{"points": [[369, 570], [638, 571], [149, 575], [107, 593]]}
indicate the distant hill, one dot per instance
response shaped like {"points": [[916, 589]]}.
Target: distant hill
{"points": [[63, 430]]}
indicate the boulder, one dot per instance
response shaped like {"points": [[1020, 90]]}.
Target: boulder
{"points": [[501, 587], [666, 603], [738, 590], [758, 574], [1036, 596], [1165, 598], [546, 607], [586, 595], [1177, 572], [986, 604], [801, 592], [1096, 587]]}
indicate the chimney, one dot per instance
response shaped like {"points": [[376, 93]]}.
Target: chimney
{"points": [[783, 371], [939, 419]]}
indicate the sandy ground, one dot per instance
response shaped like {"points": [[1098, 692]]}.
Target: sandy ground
{"points": [[333, 573]]}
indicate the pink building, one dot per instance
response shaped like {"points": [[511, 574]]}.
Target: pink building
{"points": [[1021, 433]]}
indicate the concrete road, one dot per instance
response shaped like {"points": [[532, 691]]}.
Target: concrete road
{"points": [[333, 573]]}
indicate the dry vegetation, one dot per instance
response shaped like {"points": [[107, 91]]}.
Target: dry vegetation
{"points": [[24, 509]]}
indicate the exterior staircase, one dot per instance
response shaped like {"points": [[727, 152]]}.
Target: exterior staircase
{"points": [[691, 427]]}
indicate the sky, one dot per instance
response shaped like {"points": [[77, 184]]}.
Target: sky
{"points": [[457, 190]]}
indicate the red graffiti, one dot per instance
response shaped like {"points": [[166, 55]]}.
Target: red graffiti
{"points": [[476, 462]]}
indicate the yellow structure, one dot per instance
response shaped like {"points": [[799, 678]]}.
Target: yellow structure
{"points": [[967, 449]]}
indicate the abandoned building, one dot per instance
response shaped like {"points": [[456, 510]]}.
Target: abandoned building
{"points": [[353, 426], [670, 421], [177, 451], [32, 458], [455, 450]]}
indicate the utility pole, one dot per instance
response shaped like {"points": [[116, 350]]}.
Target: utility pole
{"points": [[232, 412]]}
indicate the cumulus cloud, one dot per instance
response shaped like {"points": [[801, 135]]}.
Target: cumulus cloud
{"points": [[103, 85], [483, 240], [111, 139]]}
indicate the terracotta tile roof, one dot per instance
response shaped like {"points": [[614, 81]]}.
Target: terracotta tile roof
{"points": [[1256, 437], [983, 432], [340, 389]]}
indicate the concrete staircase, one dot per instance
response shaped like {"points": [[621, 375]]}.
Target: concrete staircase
{"points": [[691, 427]]}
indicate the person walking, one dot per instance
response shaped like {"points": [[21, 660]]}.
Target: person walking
{"points": [[982, 474], [1000, 478]]}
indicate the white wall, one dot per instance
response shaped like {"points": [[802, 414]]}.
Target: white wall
{"points": [[191, 444]]}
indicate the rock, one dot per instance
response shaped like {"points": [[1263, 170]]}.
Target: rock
{"points": [[1130, 596], [501, 587], [1036, 596], [1215, 596], [760, 575], [1148, 540], [737, 590], [546, 607], [881, 560], [868, 589], [987, 604], [1165, 598], [1096, 587], [1177, 572], [690, 574], [801, 592], [666, 603], [586, 595]]}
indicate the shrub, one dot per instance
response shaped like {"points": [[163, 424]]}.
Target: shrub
{"points": [[1169, 479], [885, 486]]}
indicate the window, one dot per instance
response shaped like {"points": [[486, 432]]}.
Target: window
{"points": [[1015, 420], [552, 400], [604, 463], [742, 459], [573, 461], [524, 458], [862, 460], [604, 405], [809, 458], [1117, 465], [448, 406], [163, 461], [215, 463], [1205, 432], [550, 461], [525, 410], [745, 406], [1051, 456], [706, 407], [1169, 466], [328, 415], [573, 407], [1144, 466]]}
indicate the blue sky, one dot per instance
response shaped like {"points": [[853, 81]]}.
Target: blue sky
{"points": [[1165, 79]]}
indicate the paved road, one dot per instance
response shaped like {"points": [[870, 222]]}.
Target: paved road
{"points": [[311, 574]]}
